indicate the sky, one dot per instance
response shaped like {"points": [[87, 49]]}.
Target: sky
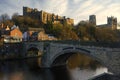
{"points": [[76, 9]]}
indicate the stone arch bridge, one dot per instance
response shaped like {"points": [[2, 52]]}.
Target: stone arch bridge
{"points": [[57, 52]]}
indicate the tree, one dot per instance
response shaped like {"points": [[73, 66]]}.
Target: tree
{"points": [[91, 31], [4, 17], [105, 34], [85, 31], [9, 23], [49, 27], [15, 15], [24, 22]]}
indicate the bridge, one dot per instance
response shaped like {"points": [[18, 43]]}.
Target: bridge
{"points": [[55, 53]]}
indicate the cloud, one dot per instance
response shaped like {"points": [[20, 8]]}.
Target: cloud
{"points": [[57, 7], [76, 9], [111, 10]]}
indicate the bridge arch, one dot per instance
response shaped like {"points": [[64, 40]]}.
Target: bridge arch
{"points": [[33, 51], [62, 57]]}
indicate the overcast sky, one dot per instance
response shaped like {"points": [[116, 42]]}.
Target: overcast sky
{"points": [[76, 9]]}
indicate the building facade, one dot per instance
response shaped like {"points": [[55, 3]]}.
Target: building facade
{"points": [[111, 22], [38, 34], [16, 34], [44, 17], [11, 35]]}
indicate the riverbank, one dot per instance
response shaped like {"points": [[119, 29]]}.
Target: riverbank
{"points": [[18, 58]]}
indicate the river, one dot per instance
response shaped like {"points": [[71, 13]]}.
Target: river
{"points": [[29, 69]]}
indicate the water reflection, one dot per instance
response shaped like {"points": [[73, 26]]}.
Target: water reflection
{"points": [[85, 74], [61, 73], [30, 70]]}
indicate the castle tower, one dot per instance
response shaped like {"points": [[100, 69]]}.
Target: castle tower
{"points": [[26, 11], [112, 21], [92, 19]]}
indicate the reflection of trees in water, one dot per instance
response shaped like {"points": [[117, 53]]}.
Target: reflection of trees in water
{"points": [[12, 66], [32, 63], [82, 61], [28, 69], [12, 70], [61, 73], [19, 65]]}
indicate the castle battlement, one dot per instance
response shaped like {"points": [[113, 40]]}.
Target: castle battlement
{"points": [[44, 17]]}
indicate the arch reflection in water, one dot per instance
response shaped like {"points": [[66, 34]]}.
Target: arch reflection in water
{"points": [[76, 59], [81, 67]]}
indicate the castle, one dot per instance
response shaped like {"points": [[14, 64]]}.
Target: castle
{"points": [[44, 17], [111, 22]]}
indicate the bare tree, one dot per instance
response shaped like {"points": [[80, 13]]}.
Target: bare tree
{"points": [[15, 15], [4, 17]]}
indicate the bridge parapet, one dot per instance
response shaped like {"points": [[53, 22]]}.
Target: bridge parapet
{"points": [[86, 43], [90, 43]]}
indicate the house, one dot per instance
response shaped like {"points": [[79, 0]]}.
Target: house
{"points": [[16, 34], [34, 36], [42, 36], [26, 36], [38, 34], [12, 34], [4, 32]]}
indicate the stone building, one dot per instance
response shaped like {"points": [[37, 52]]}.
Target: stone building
{"points": [[38, 34], [44, 17], [92, 19], [43, 36], [111, 22]]}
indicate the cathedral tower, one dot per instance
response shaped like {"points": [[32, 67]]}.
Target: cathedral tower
{"points": [[92, 19], [112, 21]]}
